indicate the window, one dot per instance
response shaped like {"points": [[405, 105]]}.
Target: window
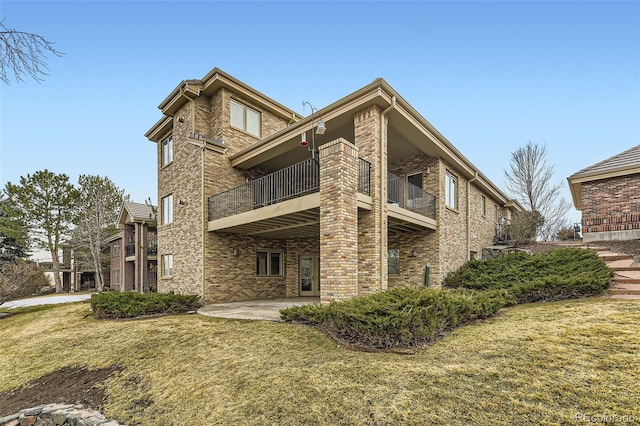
{"points": [[167, 209], [483, 205], [268, 263], [167, 151], [244, 118], [496, 213], [116, 250], [394, 262], [451, 191], [167, 265], [115, 277]]}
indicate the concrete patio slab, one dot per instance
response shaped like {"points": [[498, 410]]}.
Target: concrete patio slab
{"points": [[268, 310]]}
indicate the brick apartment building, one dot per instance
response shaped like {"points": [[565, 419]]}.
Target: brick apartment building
{"points": [[133, 250], [256, 201], [608, 193]]}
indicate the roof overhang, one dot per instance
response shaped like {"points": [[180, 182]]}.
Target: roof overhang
{"points": [[403, 118], [576, 180], [188, 90]]}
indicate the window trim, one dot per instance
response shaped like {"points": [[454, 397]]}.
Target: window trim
{"points": [[269, 273], [115, 277], [389, 262], [116, 250], [163, 261], [244, 127], [449, 176], [167, 158], [167, 208]]}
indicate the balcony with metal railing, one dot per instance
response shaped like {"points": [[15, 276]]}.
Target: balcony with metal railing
{"points": [[291, 182], [410, 197]]}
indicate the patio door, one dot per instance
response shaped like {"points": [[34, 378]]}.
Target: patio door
{"points": [[309, 269]]}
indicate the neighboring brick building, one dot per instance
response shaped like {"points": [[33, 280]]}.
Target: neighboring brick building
{"points": [[246, 212], [608, 193], [133, 251]]}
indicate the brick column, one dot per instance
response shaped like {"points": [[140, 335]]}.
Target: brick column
{"points": [[338, 221], [373, 267]]}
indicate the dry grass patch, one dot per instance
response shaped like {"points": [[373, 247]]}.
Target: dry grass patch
{"points": [[536, 364]]}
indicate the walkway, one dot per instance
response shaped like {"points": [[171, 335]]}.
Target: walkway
{"points": [[268, 310], [626, 280], [46, 300]]}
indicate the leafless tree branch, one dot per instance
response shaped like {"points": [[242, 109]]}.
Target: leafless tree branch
{"points": [[23, 54], [529, 180]]}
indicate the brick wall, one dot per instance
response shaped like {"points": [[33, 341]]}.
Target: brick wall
{"points": [[611, 205], [372, 238], [338, 221]]}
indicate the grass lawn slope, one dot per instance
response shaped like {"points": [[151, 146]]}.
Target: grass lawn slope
{"points": [[537, 364]]}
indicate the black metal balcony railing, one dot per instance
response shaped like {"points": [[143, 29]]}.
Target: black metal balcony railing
{"points": [[410, 197], [364, 176], [294, 181]]}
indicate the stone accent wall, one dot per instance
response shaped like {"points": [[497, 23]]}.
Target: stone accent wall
{"points": [[372, 238], [57, 415], [338, 221], [611, 208]]}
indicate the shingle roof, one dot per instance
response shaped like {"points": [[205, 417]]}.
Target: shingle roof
{"points": [[625, 160], [139, 212]]}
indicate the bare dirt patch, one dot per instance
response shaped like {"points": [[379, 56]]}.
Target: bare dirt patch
{"points": [[70, 385]]}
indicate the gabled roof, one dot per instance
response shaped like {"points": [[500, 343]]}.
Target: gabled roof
{"points": [[137, 212], [623, 164]]}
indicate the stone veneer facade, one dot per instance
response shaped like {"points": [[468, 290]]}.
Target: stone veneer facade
{"points": [[352, 243]]}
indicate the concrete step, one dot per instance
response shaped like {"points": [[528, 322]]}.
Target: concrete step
{"points": [[622, 287], [614, 290], [625, 296], [628, 277], [608, 256]]}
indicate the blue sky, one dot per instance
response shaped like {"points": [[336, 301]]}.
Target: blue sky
{"points": [[490, 76]]}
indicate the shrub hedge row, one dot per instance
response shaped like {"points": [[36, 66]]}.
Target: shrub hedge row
{"points": [[131, 304], [400, 317], [556, 275], [409, 317]]}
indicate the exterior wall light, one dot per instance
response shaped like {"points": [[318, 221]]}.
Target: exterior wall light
{"points": [[320, 129]]}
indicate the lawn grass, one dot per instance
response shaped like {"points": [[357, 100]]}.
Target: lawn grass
{"points": [[534, 364]]}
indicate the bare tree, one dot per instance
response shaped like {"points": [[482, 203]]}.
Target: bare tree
{"points": [[23, 54], [96, 218], [529, 181]]}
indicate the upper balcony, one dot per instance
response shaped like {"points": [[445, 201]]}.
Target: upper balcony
{"points": [[286, 203]]}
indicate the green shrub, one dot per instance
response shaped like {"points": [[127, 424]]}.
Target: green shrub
{"points": [[131, 304], [555, 275], [400, 317]]}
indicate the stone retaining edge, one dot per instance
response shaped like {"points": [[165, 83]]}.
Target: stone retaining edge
{"points": [[60, 415]]}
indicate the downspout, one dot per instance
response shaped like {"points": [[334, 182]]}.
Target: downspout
{"points": [[469, 215], [382, 201]]}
